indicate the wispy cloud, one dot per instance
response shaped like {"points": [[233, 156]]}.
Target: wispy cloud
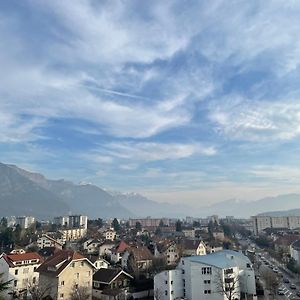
{"points": [[259, 121]]}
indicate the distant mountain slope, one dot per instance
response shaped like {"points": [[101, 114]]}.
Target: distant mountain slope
{"points": [[290, 212], [80, 198], [143, 207], [21, 196], [240, 208]]}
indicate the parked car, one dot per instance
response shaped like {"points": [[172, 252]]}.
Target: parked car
{"points": [[286, 280], [293, 286], [280, 292]]}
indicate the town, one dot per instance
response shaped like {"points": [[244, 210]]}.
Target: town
{"points": [[72, 257]]}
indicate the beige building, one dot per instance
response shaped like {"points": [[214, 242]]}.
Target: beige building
{"points": [[65, 273], [261, 223]]}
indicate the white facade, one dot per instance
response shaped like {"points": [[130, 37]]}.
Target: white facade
{"points": [[75, 221], [295, 251], [200, 277], [110, 235], [20, 268], [25, 222], [101, 263], [168, 285], [47, 241]]}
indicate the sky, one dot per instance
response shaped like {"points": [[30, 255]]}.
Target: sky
{"points": [[182, 101]]}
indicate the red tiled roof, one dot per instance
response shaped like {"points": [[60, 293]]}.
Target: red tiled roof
{"points": [[55, 264], [121, 247], [24, 256], [12, 258]]}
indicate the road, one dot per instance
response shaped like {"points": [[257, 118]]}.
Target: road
{"points": [[265, 262]]}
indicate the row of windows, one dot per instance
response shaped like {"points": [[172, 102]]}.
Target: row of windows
{"points": [[207, 291], [206, 281], [25, 271]]}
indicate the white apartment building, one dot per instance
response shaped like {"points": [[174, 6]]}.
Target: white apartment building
{"points": [[24, 221], [207, 277], [261, 223], [20, 268], [47, 241], [74, 221], [295, 251]]}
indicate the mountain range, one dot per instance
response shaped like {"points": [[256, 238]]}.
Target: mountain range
{"points": [[27, 193]]}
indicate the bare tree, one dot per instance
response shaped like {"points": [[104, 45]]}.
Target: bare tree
{"points": [[227, 283], [39, 292], [80, 293], [271, 282], [158, 294]]}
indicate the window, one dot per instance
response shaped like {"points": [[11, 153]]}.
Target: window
{"points": [[33, 280], [62, 283], [206, 281], [77, 275], [171, 281], [166, 293], [82, 263], [15, 283], [166, 282], [206, 270], [172, 292], [183, 280], [61, 295], [16, 272], [207, 292], [228, 271], [183, 271], [73, 265]]}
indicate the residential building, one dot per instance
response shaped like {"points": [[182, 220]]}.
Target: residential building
{"points": [[136, 259], [20, 269], [193, 247], [111, 284], [110, 235], [25, 222], [99, 262], [149, 222], [64, 273], [261, 223], [169, 250], [189, 233], [106, 248], [72, 234], [295, 251], [47, 241], [117, 252], [91, 246], [73, 221], [208, 277]]}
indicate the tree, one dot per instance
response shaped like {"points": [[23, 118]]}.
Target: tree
{"points": [[116, 225], [161, 223], [4, 285], [178, 226], [39, 292], [80, 293], [3, 223], [271, 281], [227, 284], [138, 226]]}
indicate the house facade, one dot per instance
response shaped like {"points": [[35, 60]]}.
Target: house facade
{"points": [[64, 273], [20, 268], [208, 277]]}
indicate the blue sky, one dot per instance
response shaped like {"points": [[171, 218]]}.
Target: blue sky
{"points": [[182, 101]]}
